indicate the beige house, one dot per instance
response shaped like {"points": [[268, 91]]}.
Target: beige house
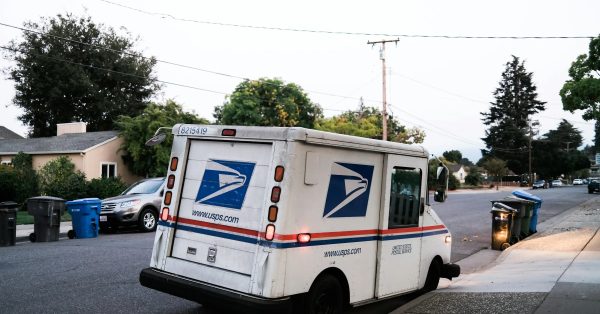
{"points": [[459, 172], [96, 154]]}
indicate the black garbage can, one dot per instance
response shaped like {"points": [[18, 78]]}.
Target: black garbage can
{"points": [[525, 209], [8, 223], [46, 212], [503, 217], [515, 227]]}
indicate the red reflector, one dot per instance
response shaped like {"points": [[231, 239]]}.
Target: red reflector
{"points": [[279, 173], [174, 162], [275, 193], [228, 132], [272, 213], [270, 232], [168, 197], [303, 237], [164, 215], [171, 182]]}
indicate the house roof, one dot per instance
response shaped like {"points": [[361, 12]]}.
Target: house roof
{"points": [[65, 143], [454, 167], [8, 134]]}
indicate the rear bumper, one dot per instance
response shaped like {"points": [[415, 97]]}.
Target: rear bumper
{"points": [[205, 293]]}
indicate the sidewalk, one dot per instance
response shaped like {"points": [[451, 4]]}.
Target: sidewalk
{"points": [[23, 231], [555, 271]]}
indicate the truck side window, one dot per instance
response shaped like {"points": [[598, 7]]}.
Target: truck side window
{"points": [[405, 197]]}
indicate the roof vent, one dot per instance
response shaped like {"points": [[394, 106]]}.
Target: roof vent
{"points": [[73, 127]]}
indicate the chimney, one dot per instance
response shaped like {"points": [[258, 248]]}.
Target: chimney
{"points": [[73, 127]]}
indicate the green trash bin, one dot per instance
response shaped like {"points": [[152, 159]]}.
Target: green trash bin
{"points": [[525, 209]]}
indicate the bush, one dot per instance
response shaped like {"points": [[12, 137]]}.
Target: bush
{"points": [[59, 178], [453, 183], [474, 177], [26, 176], [105, 187], [8, 184]]}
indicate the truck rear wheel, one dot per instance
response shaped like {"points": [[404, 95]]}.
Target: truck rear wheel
{"points": [[325, 296]]}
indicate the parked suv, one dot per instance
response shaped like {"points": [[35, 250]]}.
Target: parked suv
{"points": [[138, 205]]}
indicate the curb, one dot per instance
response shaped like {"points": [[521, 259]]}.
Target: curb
{"points": [[26, 238]]}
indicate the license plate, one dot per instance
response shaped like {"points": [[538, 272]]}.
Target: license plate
{"points": [[103, 218]]}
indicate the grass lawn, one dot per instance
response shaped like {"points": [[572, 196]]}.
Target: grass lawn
{"points": [[23, 218]]}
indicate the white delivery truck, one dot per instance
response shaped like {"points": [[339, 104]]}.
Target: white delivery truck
{"points": [[261, 216]]}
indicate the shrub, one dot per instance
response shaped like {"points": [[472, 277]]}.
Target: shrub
{"points": [[59, 178], [453, 183], [105, 187], [8, 184], [474, 177], [26, 176]]}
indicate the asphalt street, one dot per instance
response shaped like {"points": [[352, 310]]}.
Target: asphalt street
{"points": [[101, 275]]}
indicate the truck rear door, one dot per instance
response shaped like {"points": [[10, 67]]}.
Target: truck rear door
{"points": [[221, 204]]}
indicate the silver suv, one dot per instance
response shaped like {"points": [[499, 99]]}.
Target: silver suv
{"points": [[138, 205]]}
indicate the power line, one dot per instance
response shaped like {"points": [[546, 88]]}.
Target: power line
{"points": [[303, 30]]}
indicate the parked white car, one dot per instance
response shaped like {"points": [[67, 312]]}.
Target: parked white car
{"points": [[557, 183], [578, 182]]}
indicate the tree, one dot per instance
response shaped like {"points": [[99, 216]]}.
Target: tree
{"points": [[367, 122], [268, 102], [454, 156], [496, 168], [474, 177], [135, 131], [72, 69], [59, 178], [565, 136], [508, 120]]}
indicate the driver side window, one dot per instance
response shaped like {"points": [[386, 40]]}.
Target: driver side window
{"points": [[405, 197]]}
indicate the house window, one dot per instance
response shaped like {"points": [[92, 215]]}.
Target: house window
{"points": [[109, 170], [405, 197], [6, 162]]}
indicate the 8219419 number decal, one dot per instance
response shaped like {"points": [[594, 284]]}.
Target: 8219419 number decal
{"points": [[192, 130]]}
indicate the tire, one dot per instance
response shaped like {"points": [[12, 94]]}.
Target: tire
{"points": [[71, 234], [148, 220], [325, 296], [590, 191], [433, 276], [32, 237]]}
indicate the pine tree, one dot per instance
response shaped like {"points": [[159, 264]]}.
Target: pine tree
{"points": [[508, 120]]}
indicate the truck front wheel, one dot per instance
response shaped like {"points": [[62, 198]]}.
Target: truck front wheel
{"points": [[433, 276], [325, 296]]}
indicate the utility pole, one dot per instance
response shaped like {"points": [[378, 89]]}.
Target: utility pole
{"points": [[531, 133], [382, 57]]}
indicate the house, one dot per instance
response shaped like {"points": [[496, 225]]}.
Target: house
{"points": [[458, 171], [96, 154], [8, 134]]}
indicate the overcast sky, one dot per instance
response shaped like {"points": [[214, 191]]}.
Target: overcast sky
{"points": [[440, 85]]}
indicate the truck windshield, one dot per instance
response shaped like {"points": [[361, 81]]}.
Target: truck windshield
{"points": [[144, 187]]}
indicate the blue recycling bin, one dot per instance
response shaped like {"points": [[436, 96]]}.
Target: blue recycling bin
{"points": [[85, 214], [536, 208]]}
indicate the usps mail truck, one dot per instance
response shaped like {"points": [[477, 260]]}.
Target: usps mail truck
{"points": [[267, 216]]}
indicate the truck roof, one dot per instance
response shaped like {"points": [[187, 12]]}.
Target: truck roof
{"points": [[301, 134]]}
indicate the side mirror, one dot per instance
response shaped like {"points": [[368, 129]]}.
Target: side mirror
{"points": [[156, 139], [441, 184]]}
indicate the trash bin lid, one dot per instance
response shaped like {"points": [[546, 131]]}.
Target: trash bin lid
{"points": [[8, 205], [84, 201], [527, 196], [502, 207], [45, 198]]}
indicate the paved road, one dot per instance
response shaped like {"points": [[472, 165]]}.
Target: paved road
{"points": [[468, 217], [101, 275]]}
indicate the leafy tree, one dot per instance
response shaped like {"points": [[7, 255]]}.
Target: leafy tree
{"points": [[515, 101], [454, 156], [105, 187], [8, 182], [268, 102], [466, 162], [59, 178], [474, 177], [367, 122], [151, 161], [496, 168], [26, 177], [65, 73], [565, 136]]}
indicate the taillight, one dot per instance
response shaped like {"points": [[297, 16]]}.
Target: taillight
{"points": [[174, 162], [270, 232], [228, 132], [164, 215], [275, 193], [171, 182], [279, 173], [303, 237], [168, 197], [273, 213]]}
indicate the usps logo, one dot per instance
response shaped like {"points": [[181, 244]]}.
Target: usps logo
{"points": [[348, 193], [225, 183]]}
